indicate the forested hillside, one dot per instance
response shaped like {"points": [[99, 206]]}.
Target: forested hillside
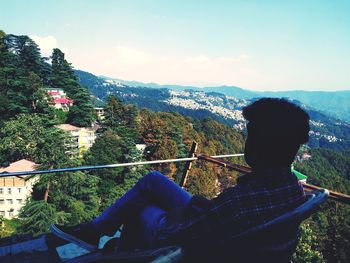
{"points": [[28, 130], [331, 170], [24, 75], [326, 131]]}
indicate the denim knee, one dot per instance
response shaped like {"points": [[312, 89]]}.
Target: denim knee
{"points": [[150, 179]]}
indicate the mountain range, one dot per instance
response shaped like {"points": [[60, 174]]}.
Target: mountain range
{"points": [[224, 104], [335, 103]]}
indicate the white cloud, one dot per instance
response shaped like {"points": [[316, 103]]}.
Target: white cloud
{"points": [[200, 62], [47, 44], [133, 63], [244, 57], [131, 56], [239, 58]]}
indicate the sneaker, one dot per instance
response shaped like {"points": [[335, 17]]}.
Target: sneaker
{"points": [[84, 235]]}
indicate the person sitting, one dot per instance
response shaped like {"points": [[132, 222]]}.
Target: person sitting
{"points": [[158, 212]]}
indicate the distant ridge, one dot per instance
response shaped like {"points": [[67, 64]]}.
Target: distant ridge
{"points": [[335, 103], [200, 103]]}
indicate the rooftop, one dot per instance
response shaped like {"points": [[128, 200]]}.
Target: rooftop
{"points": [[62, 100], [54, 89], [68, 127], [19, 166], [299, 175]]}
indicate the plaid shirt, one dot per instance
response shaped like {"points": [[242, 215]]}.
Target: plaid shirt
{"points": [[256, 199]]}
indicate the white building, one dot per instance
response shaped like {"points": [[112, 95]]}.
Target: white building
{"points": [[14, 190]]}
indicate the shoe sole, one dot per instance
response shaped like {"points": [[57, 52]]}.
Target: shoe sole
{"points": [[58, 232]]}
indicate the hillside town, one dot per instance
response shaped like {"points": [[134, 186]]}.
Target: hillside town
{"points": [[200, 100]]}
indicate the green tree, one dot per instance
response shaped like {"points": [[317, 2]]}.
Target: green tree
{"points": [[30, 137], [121, 118], [37, 216], [107, 149], [21, 77], [330, 169], [81, 113], [27, 52], [62, 74], [114, 111], [203, 180], [75, 193], [60, 116], [8, 227], [37, 96], [307, 250], [63, 77]]}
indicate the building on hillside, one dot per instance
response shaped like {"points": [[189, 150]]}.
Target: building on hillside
{"points": [[78, 140], [14, 191], [61, 104], [305, 156], [71, 141], [302, 157], [301, 177], [56, 93], [100, 113], [59, 99], [87, 137]]}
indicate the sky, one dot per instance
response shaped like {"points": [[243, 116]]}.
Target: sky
{"points": [[256, 45]]}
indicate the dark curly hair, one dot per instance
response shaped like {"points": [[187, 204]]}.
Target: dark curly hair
{"points": [[276, 129]]}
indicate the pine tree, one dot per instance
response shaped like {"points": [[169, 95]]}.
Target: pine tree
{"points": [[37, 216], [307, 250], [21, 77], [27, 52], [75, 193], [81, 113], [107, 149], [63, 77], [114, 111]]}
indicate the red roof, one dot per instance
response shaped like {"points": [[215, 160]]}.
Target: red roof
{"points": [[53, 92], [62, 100]]}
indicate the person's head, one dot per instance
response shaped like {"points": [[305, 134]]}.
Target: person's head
{"points": [[276, 129]]}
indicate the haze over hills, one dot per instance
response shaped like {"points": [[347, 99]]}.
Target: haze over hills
{"points": [[335, 103], [326, 130]]}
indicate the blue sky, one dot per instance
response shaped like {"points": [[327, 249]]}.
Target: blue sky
{"points": [[258, 45]]}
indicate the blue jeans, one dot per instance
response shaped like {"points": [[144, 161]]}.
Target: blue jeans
{"points": [[143, 210]]}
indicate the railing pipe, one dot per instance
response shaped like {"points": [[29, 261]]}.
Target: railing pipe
{"points": [[95, 167]]}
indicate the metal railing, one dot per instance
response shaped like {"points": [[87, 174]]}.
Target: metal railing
{"points": [[106, 166], [339, 197]]}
